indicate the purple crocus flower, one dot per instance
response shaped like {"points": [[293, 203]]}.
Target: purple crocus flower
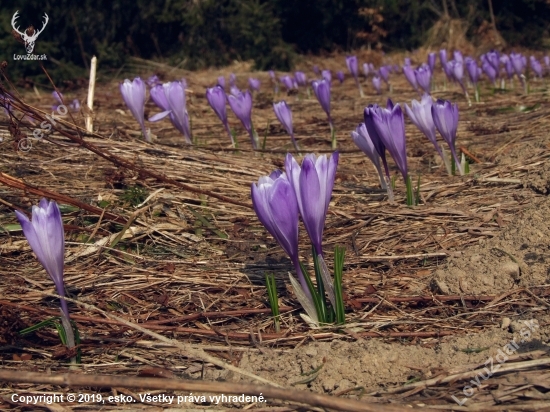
{"points": [[216, 99], [494, 59], [457, 55], [312, 184], [353, 67], [424, 78], [327, 75], [47, 240], [134, 94], [300, 78], [443, 58], [284, 115], [547, 62], [232, 79], [174, 105], [74, 106], [287, 82], [377, 84], [368, 115], [431, 61], [272, 75], [535, 66], [509, 67], [517, 63], [366, 69], [363, 141], [153, 80], [473, 70], [489, 71], [221, 82], [321, 88], [421, 116], [390, 125], [274, 201], [241, 105], [407, 61], [234, 90], [384, 73], [445, 117], [316, 70], [254, 83], [340, 76], [408, 71]]}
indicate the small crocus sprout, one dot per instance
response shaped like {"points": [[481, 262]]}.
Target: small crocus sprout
{"points": [[408, 71], [390, 125], [47, 240], [340, 76], [300, 78], [254, 84], [241, 104], [216, 99], [431, 61], [284, 115], [377, 84], [174, 105], [134, 94], [313, 183], [275, 204], [363, 141], [445, 116], [327, 75], [421, 116], [424, 78], [221, 82]]}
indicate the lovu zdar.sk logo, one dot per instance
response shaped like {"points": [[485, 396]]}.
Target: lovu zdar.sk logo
{"points": [[28, 37]]}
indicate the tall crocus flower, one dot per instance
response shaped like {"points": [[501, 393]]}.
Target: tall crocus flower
{"points": [[390, 125], [321, 88], [431, 61], [353, 67], [408, 71], [274, 201], [47, 240], [375, 138], [134, 94], [363, 141], [421, 116], [377, 84], [284, 115], [216, 99], [174, 105], [241, 105], [384, 73], [424, 78], [254, 83], [445, 116], [312, 183]]}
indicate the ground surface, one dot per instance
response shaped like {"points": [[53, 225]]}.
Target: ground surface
{"points": [[432, 291]]}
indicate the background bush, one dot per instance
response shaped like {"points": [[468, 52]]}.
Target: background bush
{"points": [[202, 33]]}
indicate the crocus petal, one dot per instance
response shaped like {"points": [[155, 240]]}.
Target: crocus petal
{"points": [[159, 116]]}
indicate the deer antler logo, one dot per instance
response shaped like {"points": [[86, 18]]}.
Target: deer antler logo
{"points": [[30, 38]]}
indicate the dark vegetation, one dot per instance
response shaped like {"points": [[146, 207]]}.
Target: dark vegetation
{"points": [[199, 33]]}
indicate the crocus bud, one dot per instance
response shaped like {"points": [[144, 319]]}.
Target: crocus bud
{"points": [[300, 78], [134, 94], [254, 84], [489, 71], [368, 115], [517, 63], [424, 78], [473, 70], [47, 240], [431, 61], [327, 75], [274, 201], [241, 105], [457, 54], [384, 73], [363, 141], [287, 82], [408, 71], [312, 183], [366, 69], [340, 76], [377, 84], [535, 66], [443, 58], [221, 82], [351, 62], [494, 59], [284, 115], [321, 88], [390, 126], [216, 99], [173, 105], [445, 116]]}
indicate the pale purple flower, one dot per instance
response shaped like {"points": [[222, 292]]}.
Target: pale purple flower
{"points": [[431, 61], [443, 58], [287, 81], [340, 76], [384, 73], [421, 116], [424, 77], [316, 70], [274, 201], [390, 125], [368, 115], [300, 78], [321, 88], [445, 117], [377, 84], [284, 115], [254, 83], [489, 71], [353, 67], [535, 66], [272, 75], [312, 183], [517, 63], [407, 61], [153, 80], [408, 71], [174, 105], [457, 55], [134, 94], [47, 240], [327, 75], [232, 79], [241, 105], [234, 90], [494, 59], [221, 82], [363, 141], [366, 69], [473, 70], [216, 99]]}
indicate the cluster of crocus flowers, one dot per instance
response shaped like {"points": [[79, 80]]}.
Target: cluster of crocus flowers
{"points": [[216, 99], [284, 115], [46, 237], [134, 94], [171, 99], [241, 104], [279, 199]]}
